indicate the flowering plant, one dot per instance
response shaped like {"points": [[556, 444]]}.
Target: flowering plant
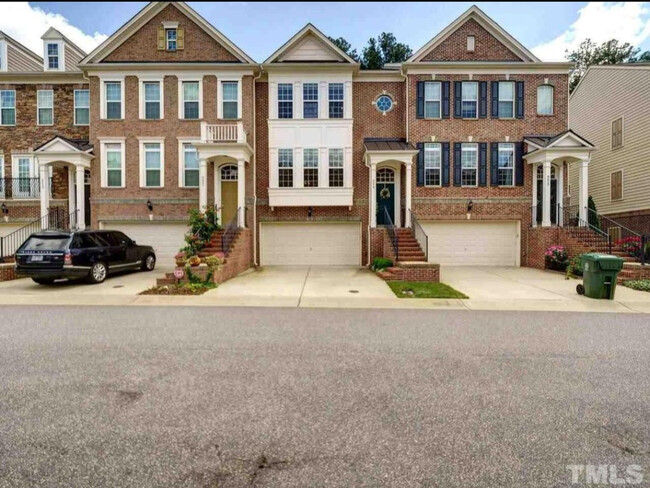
{"points": [[631, 245], [556, 258]]}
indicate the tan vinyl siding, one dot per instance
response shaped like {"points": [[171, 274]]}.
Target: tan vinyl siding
{"points": [[71, 59], [605, 95], [19, 62]]}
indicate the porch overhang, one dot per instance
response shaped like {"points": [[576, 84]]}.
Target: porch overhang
{"points": [[234, 150], [381, 150], [60, 150], [566, 145]]}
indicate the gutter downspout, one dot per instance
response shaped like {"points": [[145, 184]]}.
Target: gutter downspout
{"points": [[255, 78]]}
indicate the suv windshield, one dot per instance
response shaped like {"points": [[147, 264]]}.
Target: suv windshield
{"points": [[55, 243]]}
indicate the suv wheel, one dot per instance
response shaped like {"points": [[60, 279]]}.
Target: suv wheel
{"points": [[98, 273], [149, 263]]}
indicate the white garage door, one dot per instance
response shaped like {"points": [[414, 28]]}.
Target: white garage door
{"points": [[6, 229], [473, 243], [311, 244], [166, 239]]}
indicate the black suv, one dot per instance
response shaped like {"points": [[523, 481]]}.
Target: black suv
{"points": [[93, 254]]}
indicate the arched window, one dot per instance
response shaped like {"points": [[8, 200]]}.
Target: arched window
{"points": [[229, 173], [545, 100], [385, 175]]}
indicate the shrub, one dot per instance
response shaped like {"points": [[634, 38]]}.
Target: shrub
{"points": [[593, 218], [202, 226], [574, 268], [631, 245], [380, 264], [556, 258], [641, 285]]}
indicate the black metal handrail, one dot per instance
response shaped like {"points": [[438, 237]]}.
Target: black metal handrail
{"points": [[16, 188], [230, 233], [392, 233], [571, 218], [420, 234], [631, 241]]}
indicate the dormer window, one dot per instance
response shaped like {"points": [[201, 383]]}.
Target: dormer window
{"points": [[53, 56], [170, 36], [471, 44]]}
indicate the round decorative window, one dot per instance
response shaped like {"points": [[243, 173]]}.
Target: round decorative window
{"points": [[384, 103]]}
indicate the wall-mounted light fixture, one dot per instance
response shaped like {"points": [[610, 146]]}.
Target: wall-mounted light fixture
{"points": [[150, 208], [5, 212], [470, 205], [310, 212]]}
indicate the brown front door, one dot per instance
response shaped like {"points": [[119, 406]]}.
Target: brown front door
{"points": [[228, 201]]}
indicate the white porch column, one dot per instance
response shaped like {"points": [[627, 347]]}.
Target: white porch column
{"points": [[72, 200], [583, 192], [535, 202], [81, 208], [203, 184], [546, 194], [560, 195], [44, 182], [217, 192], [407, 197], [373, 195], [241, 192]]}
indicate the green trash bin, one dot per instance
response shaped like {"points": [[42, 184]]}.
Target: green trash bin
{"points": [[599, 273]]}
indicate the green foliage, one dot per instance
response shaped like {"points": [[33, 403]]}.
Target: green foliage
{"points": [[641, 285], [346, 47], [408, 289], [380, 264], [593, 218], [379, 51], [574, 268], [644, 58], [201, 227], [611, 52]]}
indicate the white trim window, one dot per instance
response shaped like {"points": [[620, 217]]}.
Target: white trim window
{"points": [[191, 100], [190, 168], [469, 100], [336, 174], [230, 100], [469, 165], [285, 100], [152, 164], [53, 58], [23, 172], [152, 100], [285, 168], [82, 107], [3, 55], [432, 99], [113, 171], [45, 107], [545, 99], [432, 164], [7, 107], [310, 167], [310, 100], [171, 36], [471, 44], [506, 164], [113, 97], [336, 96], [506, 99]]}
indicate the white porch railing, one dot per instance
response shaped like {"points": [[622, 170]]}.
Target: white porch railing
{"points": [[214, 133]]}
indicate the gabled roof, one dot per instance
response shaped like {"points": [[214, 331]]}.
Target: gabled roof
{"points": [[146, 14], [52, 34], [23, 49], [547, 142], [300, 36], [75, 145], [488, 24], [390, 145]]}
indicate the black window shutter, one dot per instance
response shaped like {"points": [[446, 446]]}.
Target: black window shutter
{"points": [[457, 146], [445, 164], [520, 100], [482, 164], [494, 164], [519, 163], [482, 113], [445, 99], [458, 97], [420, 167], [495, 99], [420, 105]]}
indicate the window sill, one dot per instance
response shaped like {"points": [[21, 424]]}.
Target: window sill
{"points": [[315, 196], [545, 115], [113, 187]]}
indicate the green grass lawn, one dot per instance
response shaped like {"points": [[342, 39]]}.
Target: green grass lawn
{"points": [[412, 289]]}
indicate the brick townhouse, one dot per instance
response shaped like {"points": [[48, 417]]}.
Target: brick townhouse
{"points": [[458, 155]]}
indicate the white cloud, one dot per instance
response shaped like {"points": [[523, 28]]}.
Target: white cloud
{"points": [[27, 24], [600, 22]]}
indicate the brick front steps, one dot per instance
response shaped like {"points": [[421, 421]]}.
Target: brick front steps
{"points": [[412, 271], [633, 271], [8, 272], [408, 247]]}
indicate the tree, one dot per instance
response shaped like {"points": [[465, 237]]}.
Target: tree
{"points": [[589, 53], [384, 49], [643, 58], [346, 47]]}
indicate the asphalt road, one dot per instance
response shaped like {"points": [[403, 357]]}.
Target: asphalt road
{"points": [[200, 397]]}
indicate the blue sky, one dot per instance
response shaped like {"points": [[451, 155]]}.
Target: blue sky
{"points": [[260, 28]]}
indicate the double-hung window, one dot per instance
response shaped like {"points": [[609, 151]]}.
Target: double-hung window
{"points": [[25, 186], [506, 99], [545, 100], [170, 39], [114, 165], [7, 107], [310, 100], [310, 168], [336, 167], [285, 101], [432, 164], [229, 93], [191, 100], [53, 60], [469, 98], [506, 176], [113, 92], [152, 164], [432, 96], [190, 166], [81, 107], [336, 100], [151, 100], [45, 107], [469, 165], [285, 168]]}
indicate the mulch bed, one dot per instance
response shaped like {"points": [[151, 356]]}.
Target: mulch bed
{"points": [[176, 290]]}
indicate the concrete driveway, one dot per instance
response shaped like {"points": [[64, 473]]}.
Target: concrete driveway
{"points": [[294, 286]]}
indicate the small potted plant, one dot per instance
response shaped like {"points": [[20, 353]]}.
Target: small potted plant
{"points": [[194, 261], [180, 259]]}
